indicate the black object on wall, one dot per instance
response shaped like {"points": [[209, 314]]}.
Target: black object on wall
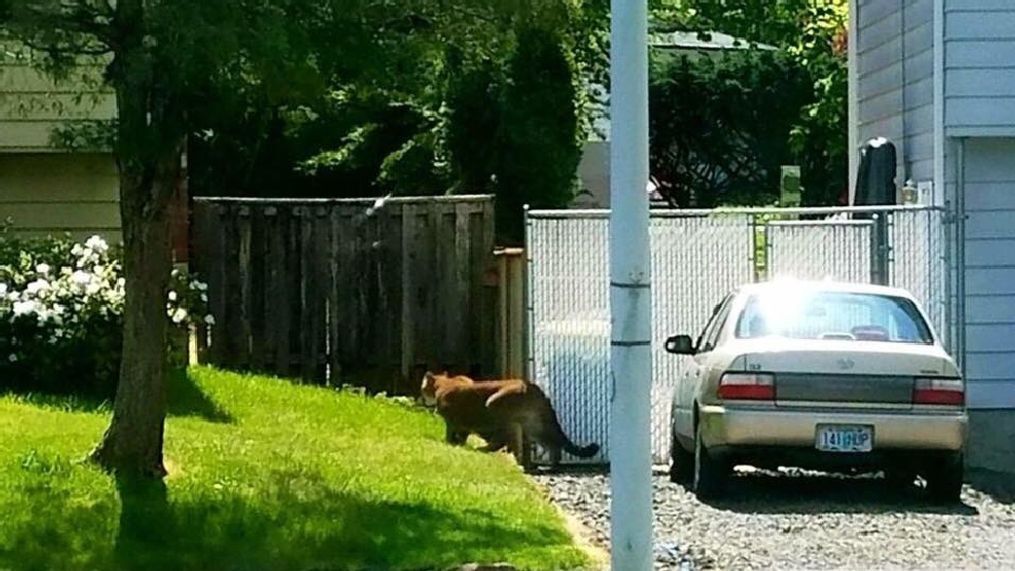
{"points": [[875, 181]]}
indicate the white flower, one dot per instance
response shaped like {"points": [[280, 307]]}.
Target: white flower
{"points": [[179, 315], [209, 319], [174, 273], [25, 307], [201, 286], [97, 244], [3, 289], [81, 278], [204, 297], [13, 358], [120, 282], [42, 269], [37, 286], [77, 250], [172, 296]]}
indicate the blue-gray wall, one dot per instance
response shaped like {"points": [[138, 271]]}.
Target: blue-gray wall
{"points": [[979, 67], [895, 86]]}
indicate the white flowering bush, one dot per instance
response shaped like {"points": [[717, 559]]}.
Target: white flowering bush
{"points": [[61, 314]]}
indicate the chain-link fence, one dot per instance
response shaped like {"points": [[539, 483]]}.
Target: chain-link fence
{"points": [[697, 257]]}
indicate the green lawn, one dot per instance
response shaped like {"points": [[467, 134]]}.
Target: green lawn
{"points": [[266, 475]]}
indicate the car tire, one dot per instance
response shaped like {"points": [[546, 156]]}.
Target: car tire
{"points": [[681, 462], [944, 480], [710, 473]]}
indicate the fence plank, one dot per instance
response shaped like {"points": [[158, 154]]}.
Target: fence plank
{"points": [[334, 324], [408, 357], [295, 286], [464, 305], [275, 314], [322, 243], [244, 275], [258, 284], [233, 297]]}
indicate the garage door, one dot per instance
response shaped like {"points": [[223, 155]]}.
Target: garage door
{"points": [[990, 272]]}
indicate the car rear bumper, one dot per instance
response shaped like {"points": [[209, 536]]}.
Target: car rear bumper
{"points": [[727, 426]]}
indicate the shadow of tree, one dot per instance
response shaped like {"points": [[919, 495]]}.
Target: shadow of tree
{"points": [[185, 398], [295, 522]]}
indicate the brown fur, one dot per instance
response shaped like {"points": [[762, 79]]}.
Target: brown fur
{"points": [[504, 412]]}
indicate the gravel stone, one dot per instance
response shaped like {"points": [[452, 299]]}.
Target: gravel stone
{"points": [[796, 520]]}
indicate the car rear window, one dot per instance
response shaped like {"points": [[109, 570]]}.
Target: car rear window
{"points": [[833, 315]]}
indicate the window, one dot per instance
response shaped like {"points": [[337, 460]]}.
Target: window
{"points": [[706, 342], [833, 315]]}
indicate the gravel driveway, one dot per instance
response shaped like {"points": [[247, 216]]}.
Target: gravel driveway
{"points": [[794, 521]]}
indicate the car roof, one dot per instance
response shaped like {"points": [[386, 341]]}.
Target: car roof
{"points": [[822, 286]]}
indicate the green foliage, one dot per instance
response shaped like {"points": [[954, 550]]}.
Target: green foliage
{"points": [[352, 482], [720, 127], [61, 315], [813, 34], [514, 130]]}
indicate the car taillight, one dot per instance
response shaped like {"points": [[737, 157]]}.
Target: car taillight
{"points": [[747, 386], [939, 391]]}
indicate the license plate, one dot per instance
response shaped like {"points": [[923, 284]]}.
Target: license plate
{"points": [[838, 438]]}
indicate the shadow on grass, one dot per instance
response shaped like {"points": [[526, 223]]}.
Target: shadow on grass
{"points": [[296, 522], [187, 399], [184, 396]]}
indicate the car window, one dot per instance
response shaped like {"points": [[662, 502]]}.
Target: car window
{"points": [[834, 315], [719, 324], [706, 340]]}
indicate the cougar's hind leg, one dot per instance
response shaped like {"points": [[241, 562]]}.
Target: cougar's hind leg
{"points": [[516, 444], [555, 456]]}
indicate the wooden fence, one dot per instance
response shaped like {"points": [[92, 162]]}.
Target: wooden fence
{"points": [[337, 290]]}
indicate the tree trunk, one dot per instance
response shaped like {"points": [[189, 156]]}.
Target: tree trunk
{"points": [[133, 442], [149, 146]]}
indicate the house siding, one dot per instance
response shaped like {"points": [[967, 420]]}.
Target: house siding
{"points": [[895, 87], [53, 193], [46, 190], [990, 272], [979, 39]]}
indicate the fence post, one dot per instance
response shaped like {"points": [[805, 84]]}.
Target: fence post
{"points": [[879, 249]]}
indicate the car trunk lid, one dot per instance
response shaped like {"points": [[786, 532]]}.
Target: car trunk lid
{"points": [[845, 373]]}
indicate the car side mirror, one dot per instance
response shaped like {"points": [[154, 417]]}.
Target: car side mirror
{"points": [[680, 345]]}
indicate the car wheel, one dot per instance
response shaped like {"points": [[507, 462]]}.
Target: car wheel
{"points": [[681, 462], [710, 473], [944, 480]]}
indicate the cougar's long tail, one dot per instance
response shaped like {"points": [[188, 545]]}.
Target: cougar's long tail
{"points": [[566, 443]]}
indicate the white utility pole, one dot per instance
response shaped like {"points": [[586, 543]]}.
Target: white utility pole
{"points": [[630, 293]]}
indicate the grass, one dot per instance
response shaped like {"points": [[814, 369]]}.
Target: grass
{"points": [[266, 475]]}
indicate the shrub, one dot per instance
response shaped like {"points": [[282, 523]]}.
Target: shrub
{"points": [[61, 314]]}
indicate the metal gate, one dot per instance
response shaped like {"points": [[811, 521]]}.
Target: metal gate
{"points": [[697, 257], [815, 250]]}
